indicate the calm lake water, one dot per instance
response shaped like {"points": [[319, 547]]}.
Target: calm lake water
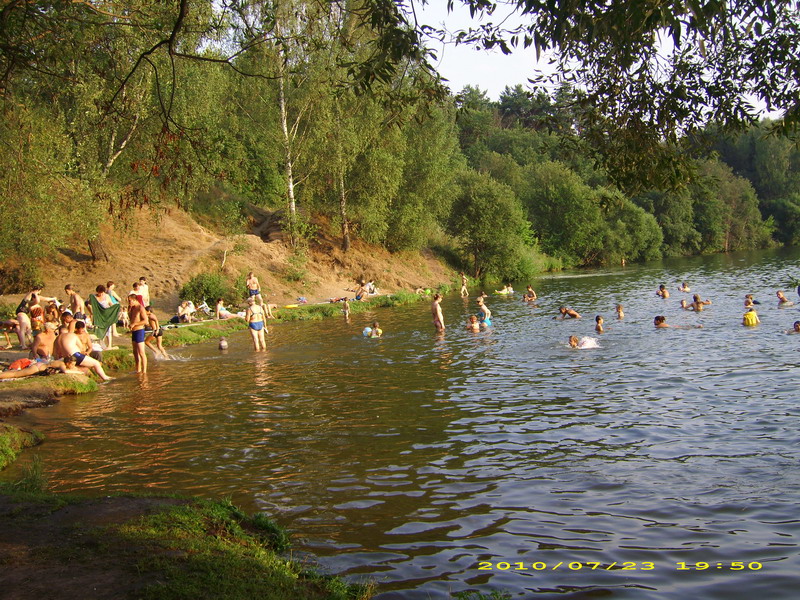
{"points": [[499, 460]]}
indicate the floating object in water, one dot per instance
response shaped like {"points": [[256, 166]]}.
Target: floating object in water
{"points": [[223, 344]]}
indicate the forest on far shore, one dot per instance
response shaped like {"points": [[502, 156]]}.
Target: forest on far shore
{"points": [[96, 126]]}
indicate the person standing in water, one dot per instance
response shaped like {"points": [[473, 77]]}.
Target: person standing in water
{"points": [[139, 320], [436, 311], [464, 292], [255, 323], [484, 314]]}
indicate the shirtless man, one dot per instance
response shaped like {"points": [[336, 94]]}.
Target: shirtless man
{"points": [[138, 317], [253, 288], [662, 291], [436, 311], [75, 302], [783, 300], [73, 346], [660, 322], [42, 347], [59, 351], [567, 313], [697, 304], [464, 292], [83, 336]]}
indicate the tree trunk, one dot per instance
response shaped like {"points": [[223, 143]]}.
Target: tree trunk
{"points": [[343, 214], [287, 145], [98, 249]]}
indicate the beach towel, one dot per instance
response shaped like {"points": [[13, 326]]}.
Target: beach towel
{"points": [[104, 318]]}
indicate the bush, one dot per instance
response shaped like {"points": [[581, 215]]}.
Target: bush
{"points": [[209, 287]]}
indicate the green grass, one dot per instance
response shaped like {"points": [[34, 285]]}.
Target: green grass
{"points": [[13, 441]]}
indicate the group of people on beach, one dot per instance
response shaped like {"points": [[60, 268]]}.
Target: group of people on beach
{"points": [[55, 332]]}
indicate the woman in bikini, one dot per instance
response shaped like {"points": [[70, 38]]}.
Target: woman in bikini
{"points": [[255, 322]]}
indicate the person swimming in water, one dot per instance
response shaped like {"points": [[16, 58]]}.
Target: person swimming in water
{"points": [[662, 291], [750, 318], [583, 343], [697, 303], [567, 313], [685, 305], [660, 322], [796, 328], [783, 301], [620, 312], [599, 324], [473, 324], [684, 287]]}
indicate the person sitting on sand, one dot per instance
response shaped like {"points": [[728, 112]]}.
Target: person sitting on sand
{"points": [[42, 348], [750, 318], [567, 313], [73, 346], [473, 324], [222, 312], [783, 301], [185, 312]]}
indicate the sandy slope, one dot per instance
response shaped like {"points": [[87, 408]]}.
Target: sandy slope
{"points": [[170, 248]]}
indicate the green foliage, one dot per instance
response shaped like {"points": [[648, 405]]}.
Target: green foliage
{"points": [[296, 270], [12, 442], [491, 228], [219, 211], [34, 479], [208, 287]]}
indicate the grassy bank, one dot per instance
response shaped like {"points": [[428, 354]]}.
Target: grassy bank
{"points": [[13, 440], [152, 548]]}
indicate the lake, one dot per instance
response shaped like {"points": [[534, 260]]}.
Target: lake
{"points": [[663, 464]]}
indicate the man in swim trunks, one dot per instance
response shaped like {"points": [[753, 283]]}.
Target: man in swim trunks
{"points": [[138, 317], [254, 315], [436, 311], [253, 288], [73, 346], [76, 303], [464, 291]]}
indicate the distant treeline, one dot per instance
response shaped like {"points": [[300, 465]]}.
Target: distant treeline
{"points": [[103, 118]]}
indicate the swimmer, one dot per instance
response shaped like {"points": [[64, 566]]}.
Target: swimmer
{"points": [[599, 324], [660, 322], [620, 313], [750, 318], [223, 344], [697, 304], [507, 289], [484, 314], [530, 295], [662, 291], [473, 324], [436, 311], [685, 305], [584, 343], [567, 313], [376, 331], [254, 315], [796, 328], [684, 287], [783, 301]]}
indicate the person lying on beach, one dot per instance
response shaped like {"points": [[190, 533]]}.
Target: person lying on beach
{"points": [[222, 312], [36, 368]]}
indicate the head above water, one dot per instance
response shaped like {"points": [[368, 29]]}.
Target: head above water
{"points": [[659, 320]]}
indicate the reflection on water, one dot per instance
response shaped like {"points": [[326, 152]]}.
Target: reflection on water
{"points": [[414, 458]]}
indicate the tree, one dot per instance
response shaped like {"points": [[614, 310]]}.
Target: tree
{"points": [[488, 220]]}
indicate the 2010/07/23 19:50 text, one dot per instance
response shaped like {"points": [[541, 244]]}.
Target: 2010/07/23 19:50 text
{"points": [[621, 566]]}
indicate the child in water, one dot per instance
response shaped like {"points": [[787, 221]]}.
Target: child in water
{"points": [[473, 324], [599, 324], [750, 318], [584, 343], [373, 332], [620, 314]]}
